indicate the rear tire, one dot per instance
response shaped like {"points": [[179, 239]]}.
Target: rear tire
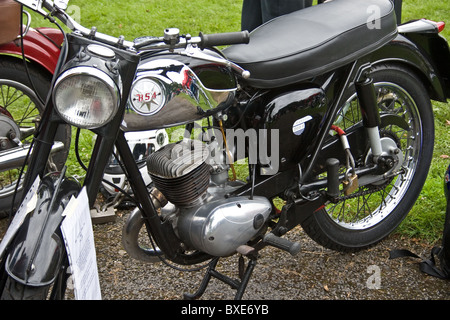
{"points": [[379, 212]]}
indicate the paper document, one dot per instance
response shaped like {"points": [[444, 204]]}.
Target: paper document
{"points": [[79, 240]]}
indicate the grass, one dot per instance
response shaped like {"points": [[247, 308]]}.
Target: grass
{"points": [[135, 18], [426, 219]]}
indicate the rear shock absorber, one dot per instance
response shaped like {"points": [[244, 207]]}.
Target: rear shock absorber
{"points": [[369, 110]]}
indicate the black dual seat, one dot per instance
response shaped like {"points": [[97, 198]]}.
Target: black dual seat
{"points": [[315, 40]]}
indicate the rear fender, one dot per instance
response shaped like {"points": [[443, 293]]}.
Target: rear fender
{"points": [[427, 54], [36, 254], [41, 45], [436, 49]]}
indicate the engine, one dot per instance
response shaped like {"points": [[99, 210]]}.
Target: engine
{"points": [[202, 214]]}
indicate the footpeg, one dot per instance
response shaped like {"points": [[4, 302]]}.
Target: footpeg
{"points": [[333, 178], [282, 243]]}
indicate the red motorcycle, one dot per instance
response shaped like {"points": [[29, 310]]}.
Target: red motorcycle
{"points": [[24, 85]]}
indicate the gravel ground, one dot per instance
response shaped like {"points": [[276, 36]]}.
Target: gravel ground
{"points": [[314, 274]]}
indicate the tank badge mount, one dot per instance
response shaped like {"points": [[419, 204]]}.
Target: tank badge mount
{"points": [[299, 126]]}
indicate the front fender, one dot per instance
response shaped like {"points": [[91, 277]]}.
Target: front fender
{"points": [[38, 249], [41, 45]]}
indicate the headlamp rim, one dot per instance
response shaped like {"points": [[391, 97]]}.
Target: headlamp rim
{"points": [[92, 72]]}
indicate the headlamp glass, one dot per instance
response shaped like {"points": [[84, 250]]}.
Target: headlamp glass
{"points": [[86, 97]]}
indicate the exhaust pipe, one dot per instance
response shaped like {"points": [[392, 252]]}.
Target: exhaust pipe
{"points": [[132, 227], [14, 158]]}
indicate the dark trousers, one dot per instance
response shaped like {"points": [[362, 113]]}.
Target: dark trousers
{"points": [[257, 12]]}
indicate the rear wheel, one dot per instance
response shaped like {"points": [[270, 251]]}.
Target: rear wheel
{"points": [[374, 210]]}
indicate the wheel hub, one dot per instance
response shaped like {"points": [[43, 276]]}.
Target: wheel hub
{"points": [[9, 131], [390, 161]]}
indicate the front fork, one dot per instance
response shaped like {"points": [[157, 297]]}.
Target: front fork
{"points": [[42, 146], [44, 141], [104, 145], [38, 239]]}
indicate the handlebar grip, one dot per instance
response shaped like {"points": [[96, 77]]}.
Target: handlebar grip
{"points": [[223, 39]]}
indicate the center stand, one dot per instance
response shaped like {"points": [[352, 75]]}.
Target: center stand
{"points": [[239, 285]]}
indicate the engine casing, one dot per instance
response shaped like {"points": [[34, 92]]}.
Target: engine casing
{"points": [[219, 227], [202, 214]]}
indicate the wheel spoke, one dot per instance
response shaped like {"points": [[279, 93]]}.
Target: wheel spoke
{"points": [[18, 101], [371, 204]]}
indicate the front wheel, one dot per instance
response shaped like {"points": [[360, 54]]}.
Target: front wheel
{"points": [[14, 290], [36, 263], [373, 211]]}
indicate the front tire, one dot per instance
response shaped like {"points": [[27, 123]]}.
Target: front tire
{"points": [[16, 291], [38, 245], [372, 212]]}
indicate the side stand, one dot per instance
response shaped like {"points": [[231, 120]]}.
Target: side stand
{"points": [[240, 286]]}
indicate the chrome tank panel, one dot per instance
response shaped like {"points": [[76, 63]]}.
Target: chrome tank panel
{"points": [[180, 94]]}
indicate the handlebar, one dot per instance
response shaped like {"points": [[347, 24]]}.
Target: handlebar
{"points": [[222, 39], [171, 39]]}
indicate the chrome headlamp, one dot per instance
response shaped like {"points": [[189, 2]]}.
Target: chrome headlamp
{"points": [[86, 97]]}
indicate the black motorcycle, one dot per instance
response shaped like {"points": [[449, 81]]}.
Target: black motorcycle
{"points": [[330, 107]]}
